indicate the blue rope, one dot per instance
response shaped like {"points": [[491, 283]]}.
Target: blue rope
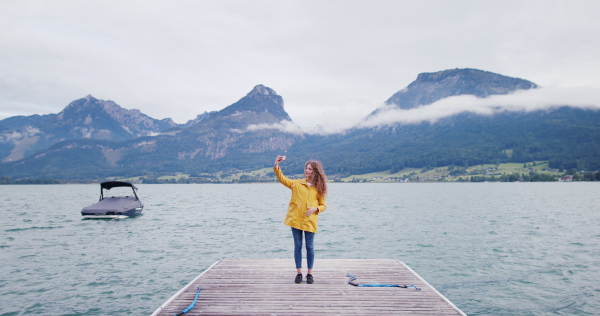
{"points": [[379, 285], [191, 305]]}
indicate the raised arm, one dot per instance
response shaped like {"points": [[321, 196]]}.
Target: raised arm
{"points": [[283, 179]]}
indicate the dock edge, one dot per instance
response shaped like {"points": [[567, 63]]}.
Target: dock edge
{"points": [[433, 288], [158, 310]]}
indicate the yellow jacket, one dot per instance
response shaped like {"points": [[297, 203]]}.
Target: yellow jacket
{"points": [[303, 197]]}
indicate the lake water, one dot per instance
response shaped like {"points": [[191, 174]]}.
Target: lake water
{"points": [[491, 248]]}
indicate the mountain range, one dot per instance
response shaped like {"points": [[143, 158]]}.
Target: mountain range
{"points": [[93, 139], [87, 118]]}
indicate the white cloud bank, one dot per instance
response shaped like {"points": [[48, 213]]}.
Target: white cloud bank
{"points": [[282, 126], [520, 101], [547, 98]]}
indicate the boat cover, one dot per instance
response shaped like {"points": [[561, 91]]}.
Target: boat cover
{"points": [[114, 204]]}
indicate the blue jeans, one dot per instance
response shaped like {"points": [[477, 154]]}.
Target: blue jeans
{"points": [[310, 249]]}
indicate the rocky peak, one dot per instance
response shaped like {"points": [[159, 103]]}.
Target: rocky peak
{"points": [[432, 87], [260, 100], [107, 115], [261, 90], [91, 105], [199, 118]]}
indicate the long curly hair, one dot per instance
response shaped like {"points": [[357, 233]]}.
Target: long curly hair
{"points": [[319, 178]]}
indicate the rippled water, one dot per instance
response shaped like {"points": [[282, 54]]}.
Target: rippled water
{"points": [[491, 248]]}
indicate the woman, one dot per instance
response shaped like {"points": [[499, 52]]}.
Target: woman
{"points": [[307, 202]]}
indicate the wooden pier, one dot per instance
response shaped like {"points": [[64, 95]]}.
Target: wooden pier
{"points": [[266, 287]]}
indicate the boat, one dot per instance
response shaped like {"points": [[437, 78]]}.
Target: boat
{"points": [[111, 207]]}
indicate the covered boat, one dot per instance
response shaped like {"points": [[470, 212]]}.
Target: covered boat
{"points": [[114, 206]]}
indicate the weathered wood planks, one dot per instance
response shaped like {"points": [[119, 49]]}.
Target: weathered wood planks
{"points": [[266, 287]]}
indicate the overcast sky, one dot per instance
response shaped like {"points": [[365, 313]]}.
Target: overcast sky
{"points": [[333, 62]]}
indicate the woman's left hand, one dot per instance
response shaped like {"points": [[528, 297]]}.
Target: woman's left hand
{"points": [[310, 211]]}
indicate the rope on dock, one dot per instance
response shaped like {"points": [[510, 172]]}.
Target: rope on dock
{"points": [[191, 305], [351, 281]]}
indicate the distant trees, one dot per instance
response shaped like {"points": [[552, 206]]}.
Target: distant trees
{"points": [[591, 176], [7, 180], [535, 177]]}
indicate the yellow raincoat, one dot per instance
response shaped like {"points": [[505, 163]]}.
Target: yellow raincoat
{"points": [[303, 197]]}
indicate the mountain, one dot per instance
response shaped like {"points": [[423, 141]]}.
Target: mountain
{"points": [[568, 137], [431, 87], [262, 105], [248, 134], [86, 118], [98, 119], [235, 138]]}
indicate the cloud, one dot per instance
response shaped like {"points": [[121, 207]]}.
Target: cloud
{"points": [[333, 62], [15, 136], [282, 126], [520, 101]]}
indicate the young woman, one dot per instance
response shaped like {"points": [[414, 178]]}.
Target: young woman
{"points": [[307, 202]]}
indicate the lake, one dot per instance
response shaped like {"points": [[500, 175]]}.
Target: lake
{"points": [[490, 248]]}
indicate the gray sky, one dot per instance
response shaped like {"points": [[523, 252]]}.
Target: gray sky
{"points": [[333, 62]]}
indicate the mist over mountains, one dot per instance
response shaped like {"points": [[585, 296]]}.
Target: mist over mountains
{"points": [[454, 117]]}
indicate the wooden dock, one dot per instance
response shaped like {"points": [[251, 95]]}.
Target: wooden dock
{"points": [[266, 287]]}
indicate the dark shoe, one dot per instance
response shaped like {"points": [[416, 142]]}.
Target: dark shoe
{"points": [[299, 278], [309, 279]]}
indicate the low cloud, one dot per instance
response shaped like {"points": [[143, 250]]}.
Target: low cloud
{"points": [[520, 101], [14, 135], [339, 127], [282, 126]]}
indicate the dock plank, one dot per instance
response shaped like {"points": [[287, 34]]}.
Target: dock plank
{"points": [[266, 287]]}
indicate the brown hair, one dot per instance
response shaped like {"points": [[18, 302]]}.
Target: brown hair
{"points": [[319, 177]]}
